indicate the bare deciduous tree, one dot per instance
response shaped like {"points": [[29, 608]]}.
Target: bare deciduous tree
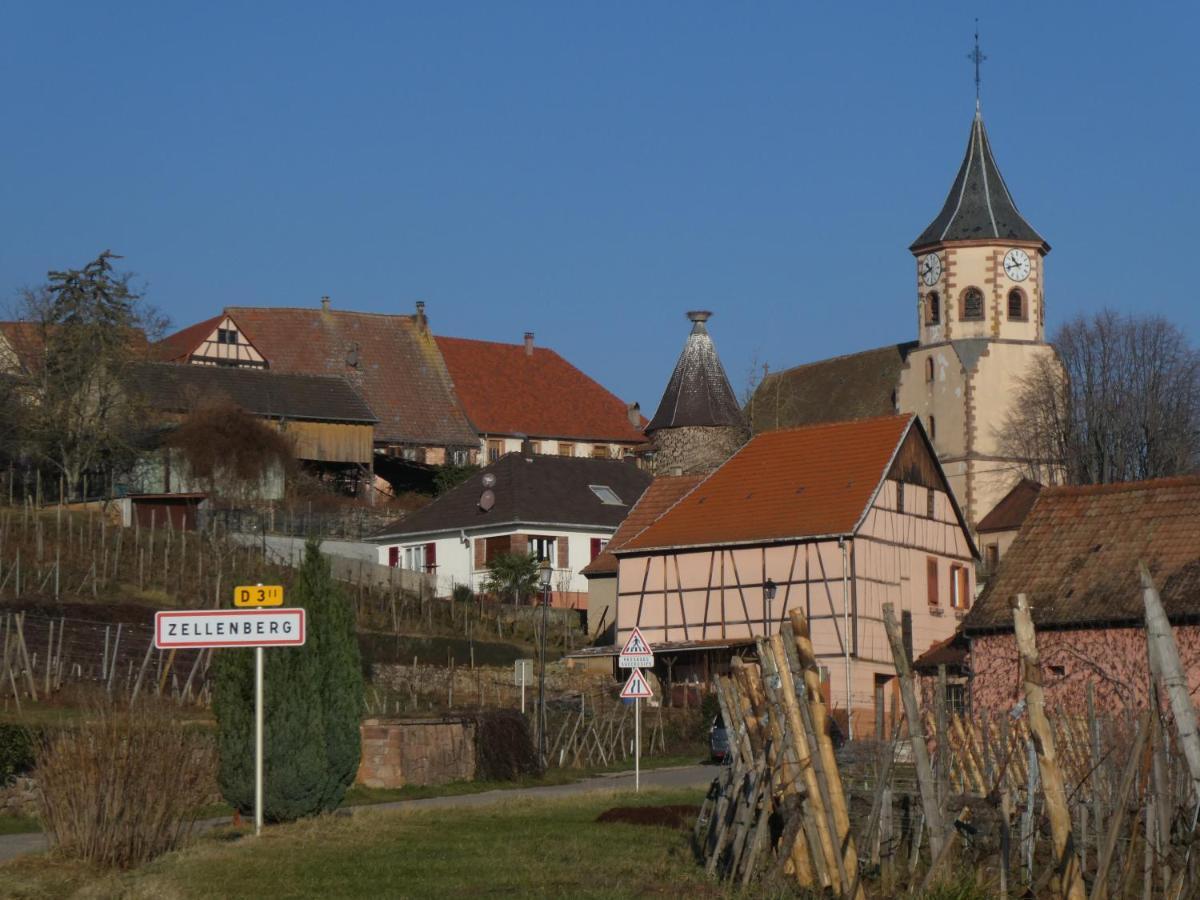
{"points": [[1120, 403]]}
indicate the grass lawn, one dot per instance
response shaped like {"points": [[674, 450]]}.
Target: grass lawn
{"points": [[523, 848], [19, 825]]}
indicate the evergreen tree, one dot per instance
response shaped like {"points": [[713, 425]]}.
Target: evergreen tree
{"points": [[313, 699]]}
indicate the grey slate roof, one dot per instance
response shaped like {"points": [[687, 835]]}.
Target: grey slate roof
{"points": [[176, 388], [698, 392], [979, 205], [534, 489], [856, 386]]}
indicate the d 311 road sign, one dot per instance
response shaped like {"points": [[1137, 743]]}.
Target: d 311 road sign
{"points": [[256, 595], [637, 687], [636, 654], [229, 628]]}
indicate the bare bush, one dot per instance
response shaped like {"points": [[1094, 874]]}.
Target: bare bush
{"points": [[124, 785]]}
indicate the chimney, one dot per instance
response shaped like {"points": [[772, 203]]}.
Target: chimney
{"points": [[634, 412], [325, 303], [529, 343], [527, 448], [422, 321]]}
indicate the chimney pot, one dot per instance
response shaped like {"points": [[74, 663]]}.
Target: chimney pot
{"points": [[325, 303], [422, 321], [529, 343]]}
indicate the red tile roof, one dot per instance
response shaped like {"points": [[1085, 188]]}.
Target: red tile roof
{"points": [[795, 483], [25, 339], [507, 391], [392, 360], [179, 346], [1076, 556], [1010, 512], [663, 493]]}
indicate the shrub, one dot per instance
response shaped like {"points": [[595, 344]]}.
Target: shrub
{"points": [[313, 708], [462, 593], [124, 785], [16, 751], [503, 746]]}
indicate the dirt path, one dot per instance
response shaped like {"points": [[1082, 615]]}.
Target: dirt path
{"points": [[14, 845]]}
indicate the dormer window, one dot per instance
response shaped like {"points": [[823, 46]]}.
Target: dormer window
{"points": [[972, 305], [933, 308], [606, 494], [227, 336]]}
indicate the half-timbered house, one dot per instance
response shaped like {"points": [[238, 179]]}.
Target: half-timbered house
{"points": [[834, 519]]}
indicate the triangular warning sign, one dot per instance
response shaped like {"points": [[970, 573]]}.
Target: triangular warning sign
{"points": [[636, 688], [636, 645]]}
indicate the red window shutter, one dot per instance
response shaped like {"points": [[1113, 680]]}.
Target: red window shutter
{"points": [[393, 556], [931, 566], [480, 553], [964, 594], [564, 561], [430, 557], [596, 547]]}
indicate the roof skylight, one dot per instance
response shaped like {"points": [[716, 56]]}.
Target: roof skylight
{"points": [[606, 494]]}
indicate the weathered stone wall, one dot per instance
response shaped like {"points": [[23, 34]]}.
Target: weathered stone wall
{"points": [[402, 688], [695, 449], [1112, 660], [396, 752]]}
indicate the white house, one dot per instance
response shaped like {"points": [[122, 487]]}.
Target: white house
{"points": [[556, 508]]}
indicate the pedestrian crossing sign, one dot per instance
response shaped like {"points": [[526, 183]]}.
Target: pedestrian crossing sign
{"points": [[636, 654]]}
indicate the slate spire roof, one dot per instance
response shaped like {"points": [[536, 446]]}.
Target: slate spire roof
{"points": [[979, 205], [698, 392]]}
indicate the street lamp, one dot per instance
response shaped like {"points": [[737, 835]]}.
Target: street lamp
{"points": [[769, 589], [544, 573]]}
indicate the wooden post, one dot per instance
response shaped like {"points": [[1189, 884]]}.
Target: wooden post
{"points": [[1165, 663], [1055, 793], [916, 732]]}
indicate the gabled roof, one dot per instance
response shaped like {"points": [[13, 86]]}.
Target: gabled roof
{"points": [[176, 388], [698, 393], [392, 360], [1010, 512], [508, 390], [855, 386], [530, 490], [979, 206], [663, 493], [179, 346], [27, 341], [791, 484], [1076, 556]]}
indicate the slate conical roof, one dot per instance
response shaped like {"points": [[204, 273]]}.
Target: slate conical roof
{"points": [[698, 392], [979, 205]]}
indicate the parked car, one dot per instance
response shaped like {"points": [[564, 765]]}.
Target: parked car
{"points": [[718, 740]]}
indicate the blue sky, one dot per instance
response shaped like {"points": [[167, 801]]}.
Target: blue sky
{"points": [[589, 171]]}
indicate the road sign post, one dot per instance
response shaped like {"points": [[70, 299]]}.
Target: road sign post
{"points": [[522, 670], [637, 689], [262, 624]]}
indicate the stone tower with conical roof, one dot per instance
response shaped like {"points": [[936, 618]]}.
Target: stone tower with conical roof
{"points": [[698, 424], [981, 316]]}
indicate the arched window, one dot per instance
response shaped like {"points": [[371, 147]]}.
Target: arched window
{"points": [[1016, 306], [933, 308], [929, 368], [972, 305]]}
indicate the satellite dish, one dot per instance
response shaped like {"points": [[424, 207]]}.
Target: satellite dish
{"points": [[487, 500], [489, 480]]}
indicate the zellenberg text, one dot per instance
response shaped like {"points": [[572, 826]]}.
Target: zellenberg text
{"points": [[247, 627]]}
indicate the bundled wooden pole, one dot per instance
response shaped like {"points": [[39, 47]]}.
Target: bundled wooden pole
{"points": [[1066, 862], [819, 729], [916, 733], [1167, 666]]}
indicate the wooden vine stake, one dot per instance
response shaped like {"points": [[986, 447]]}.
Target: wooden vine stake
{"points": [[1066, 862]]}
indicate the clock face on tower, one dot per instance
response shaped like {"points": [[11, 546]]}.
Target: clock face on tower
{"points": [[1016, 264], [930, 268]]}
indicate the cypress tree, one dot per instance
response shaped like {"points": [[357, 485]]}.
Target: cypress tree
{"points": [[313, 698]]}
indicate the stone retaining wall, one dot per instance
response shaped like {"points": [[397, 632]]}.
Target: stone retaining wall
{"points": [[396, 752]]}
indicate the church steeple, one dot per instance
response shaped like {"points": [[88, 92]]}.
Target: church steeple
{"points": [[979, 206]]}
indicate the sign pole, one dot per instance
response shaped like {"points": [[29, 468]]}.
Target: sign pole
{"points": [[522, 665], [637, 745], [258, 740]]}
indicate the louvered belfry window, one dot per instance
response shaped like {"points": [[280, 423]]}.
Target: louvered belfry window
{"points": [[972, 304]]}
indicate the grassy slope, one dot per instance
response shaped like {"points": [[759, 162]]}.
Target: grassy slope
{"points": [[522, 849]]}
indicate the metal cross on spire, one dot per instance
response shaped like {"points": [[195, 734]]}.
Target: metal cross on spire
{"points": [[976, 56]]}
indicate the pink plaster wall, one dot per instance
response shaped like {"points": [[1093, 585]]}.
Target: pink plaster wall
{"points": [[1112, 659]]}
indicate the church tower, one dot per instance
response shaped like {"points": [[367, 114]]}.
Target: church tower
{"points": [[980, 270], [698, 424]]}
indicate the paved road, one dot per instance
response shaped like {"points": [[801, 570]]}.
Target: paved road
{"points": [[14, 845]]}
